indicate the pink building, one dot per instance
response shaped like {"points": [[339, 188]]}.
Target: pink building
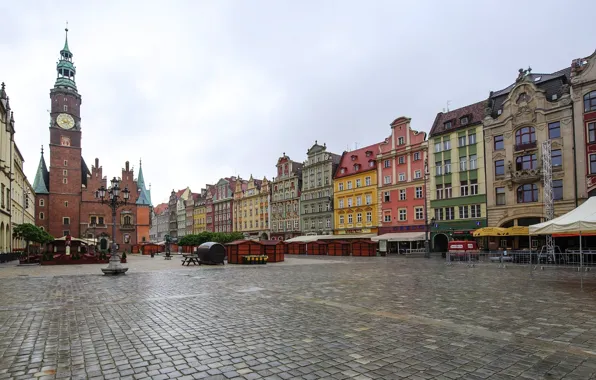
{"points": [[401, 184]]}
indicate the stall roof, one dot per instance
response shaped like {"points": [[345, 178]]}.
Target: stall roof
{"points": [[579, 220], [309, 238], [401, 236]]}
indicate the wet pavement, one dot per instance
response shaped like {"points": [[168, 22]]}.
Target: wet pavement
{"points": [[307, 318]]}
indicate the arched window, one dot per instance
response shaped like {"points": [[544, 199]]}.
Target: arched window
{"points": [[526, 162], [590, 102], [525, 135], [127, 220], [527, 193]]}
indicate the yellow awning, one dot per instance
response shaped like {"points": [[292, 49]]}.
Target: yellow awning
{"points": [[517, 231], [490, 231]]}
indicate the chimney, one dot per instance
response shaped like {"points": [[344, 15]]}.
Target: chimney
{"points": [[96, 163]]}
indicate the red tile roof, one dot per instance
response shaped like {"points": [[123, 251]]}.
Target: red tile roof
{"points": [[160, 208], [475, 113], [179, 193], [358, 156]]}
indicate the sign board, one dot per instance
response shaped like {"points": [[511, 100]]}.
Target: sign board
{"points": [[382, 245]]}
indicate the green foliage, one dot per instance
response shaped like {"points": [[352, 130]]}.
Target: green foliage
{"points": [[31, 233], [203, 237]]}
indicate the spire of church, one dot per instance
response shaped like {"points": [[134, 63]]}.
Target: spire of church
{"points": [[65, 68], [42, 177], [144, 194]]}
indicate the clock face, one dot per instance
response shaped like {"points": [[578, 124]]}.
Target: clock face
{"points": [[65, 121]]}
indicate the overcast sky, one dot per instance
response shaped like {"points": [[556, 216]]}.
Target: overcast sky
{"points": [[205, 89]]}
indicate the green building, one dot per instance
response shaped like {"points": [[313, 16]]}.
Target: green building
{"points": [[456, 175]]}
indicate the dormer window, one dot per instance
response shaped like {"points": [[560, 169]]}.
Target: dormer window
{"points": [[356, 167], [371, 163], [447, 124], [368, 153], [354, 157], [499, 111], [464, 120], [342, 170]]}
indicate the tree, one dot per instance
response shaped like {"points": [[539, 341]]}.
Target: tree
{"points": [[29, 233]]}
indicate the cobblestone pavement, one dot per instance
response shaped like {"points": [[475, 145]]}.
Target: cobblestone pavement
{"points": [[308, 318]]}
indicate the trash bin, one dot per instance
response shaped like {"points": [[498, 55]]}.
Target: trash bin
{"points": [[211, 253]]}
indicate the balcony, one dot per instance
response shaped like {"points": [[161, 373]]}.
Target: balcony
{"points": [[525, 175], [525, 146]]}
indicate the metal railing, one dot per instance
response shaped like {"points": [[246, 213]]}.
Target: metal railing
{"points": [[537, 260]]}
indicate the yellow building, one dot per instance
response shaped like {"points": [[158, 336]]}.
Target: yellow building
{"points": [[23, 197], [355, 194], [251, 208], [199, 214]]}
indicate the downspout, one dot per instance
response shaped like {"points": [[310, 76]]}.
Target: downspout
{"points": [[574, 154]]}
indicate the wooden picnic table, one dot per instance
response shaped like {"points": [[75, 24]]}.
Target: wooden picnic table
{"points": [[190, 259]]}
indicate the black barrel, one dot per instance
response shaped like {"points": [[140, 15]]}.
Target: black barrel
{"points": [[211, 253]]}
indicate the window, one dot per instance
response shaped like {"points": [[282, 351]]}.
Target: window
{"points": [[386, 196], [472, 139], [449, 213], [438, 147], [525, 135], [403, 214], [526, 162], [65, 233], [367, 181], [592, 163], [349, 202], [554, 130], [359, 217], [65, 108], [592, 132], [41, 202], [556, 157], [500, 167], [65, 220], [356, 168], [417, 174], [350, 219], [340, 186], [64, 180], [65, 162], [447, 166], [296, 225], [439, 191], [349, 185], [473, 187], [463, 164], [387, 216], [463, 189], [371, 163], [461, 141], [439, 214], [527, 193], [446, 144], [65, 203], [447, 124], [387, 163], [358, 183], [475, 211], [41, 216], [400, 141], [341, 203], [368, 199], [463, 120], [387, 179], [402, 176], [402, 194], [499, 143], [100, 220], [359, 200], [419, 213], [419, 192], [416, 156], [447, 190], [368, 216], [93, 220], [473, 162], [463, 212], [341, 219], [590, 102], [402, 160], [439, 167], [328, 224], [557, 189]]}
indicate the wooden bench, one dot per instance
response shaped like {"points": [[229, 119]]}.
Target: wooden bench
{"points": [[191, 259]]}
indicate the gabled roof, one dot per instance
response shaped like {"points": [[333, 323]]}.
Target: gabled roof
{"points": [[41, 184], [160, 208], [362, 157], [474, 113], [144, 194]]}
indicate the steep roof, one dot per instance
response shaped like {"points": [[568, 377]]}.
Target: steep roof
{"points": [[41, 183], [474, 112], [160, 208], [363, 157], [144, 194]]}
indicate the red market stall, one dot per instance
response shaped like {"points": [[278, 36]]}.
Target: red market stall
{"points": [[317, 247], [296, 248], [237, 249], [338, 248], [364, 248], [274, 249]]}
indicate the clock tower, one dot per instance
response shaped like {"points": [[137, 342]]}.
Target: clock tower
{"points": [[67, 168]]}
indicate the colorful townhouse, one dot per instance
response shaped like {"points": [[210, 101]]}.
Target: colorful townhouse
{"points": [[457, 175], [285, 199], [209, 210], [251, 208], [223, 204], [401, 186], [199, 213], [355, 194]]}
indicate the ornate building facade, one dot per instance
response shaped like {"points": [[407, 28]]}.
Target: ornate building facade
{"points": [[285, 199], [66, 203], [199, 213], [251, 208], [316, 203], [6, 152], [519, 118], [160, 225], [223, 210], [177, 212]]}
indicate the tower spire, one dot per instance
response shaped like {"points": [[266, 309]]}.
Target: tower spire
{"points": [[65, 68], [66, 38]]}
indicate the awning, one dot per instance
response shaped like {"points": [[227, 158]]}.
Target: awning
{"points": [[303, 239], [579, 220], [401, 236], [516, 231], [309, 238], [490, 231]]}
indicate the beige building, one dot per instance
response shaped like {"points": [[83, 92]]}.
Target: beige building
{"points": [[518, 119], [285, 199], [22, 197], [6, 162], [251, 208], [583, 94]]}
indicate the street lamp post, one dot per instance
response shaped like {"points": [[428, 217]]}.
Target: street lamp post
{"points": [[114, 197]]}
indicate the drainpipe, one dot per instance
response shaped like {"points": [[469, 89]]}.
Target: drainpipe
{"points": [[574, 154]]}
